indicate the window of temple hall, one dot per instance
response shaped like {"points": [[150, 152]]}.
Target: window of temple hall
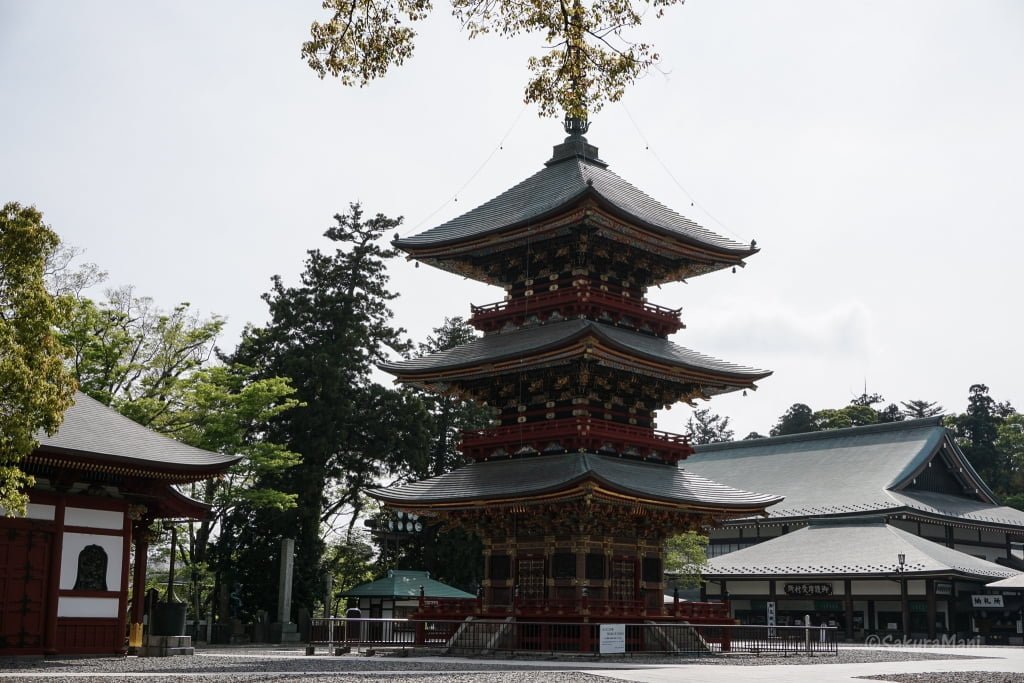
{"points": [[563, 566], [92, 569], [501, 567], [623, 585], [652, 569], [595, 566], [531, 579]]}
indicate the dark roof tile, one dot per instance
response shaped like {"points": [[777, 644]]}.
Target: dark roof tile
{"points": [[530, 340], [559, 184], [545, 474], [93, 431]]}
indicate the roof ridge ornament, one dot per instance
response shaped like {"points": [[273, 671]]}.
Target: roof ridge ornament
{"points": [[575, 126], [575, 146]]}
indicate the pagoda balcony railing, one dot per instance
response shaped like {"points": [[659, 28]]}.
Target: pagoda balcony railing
{"points": [[576, 301], [577, 434], [565, 411]]}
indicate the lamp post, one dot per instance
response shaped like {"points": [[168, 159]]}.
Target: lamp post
{"points": [[901, 568]]}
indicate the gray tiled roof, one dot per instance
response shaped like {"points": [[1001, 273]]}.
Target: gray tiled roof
{"points": [[92, 431], [946, 505], [849, 471], [562, 182], [531, 340], [545, 474], [867, 547], [1012, 583]]}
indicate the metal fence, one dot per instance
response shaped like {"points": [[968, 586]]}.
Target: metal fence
{"points": [[489, 636]]}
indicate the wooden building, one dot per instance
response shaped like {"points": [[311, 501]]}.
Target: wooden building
{"points": [[856, 502], [572, 490], [101, 480], [399, 594]]}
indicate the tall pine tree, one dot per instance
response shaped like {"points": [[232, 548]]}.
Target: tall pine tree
{"points": [[325, 335]]}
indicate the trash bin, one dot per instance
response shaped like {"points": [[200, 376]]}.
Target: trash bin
{"points": [[168, 619]]}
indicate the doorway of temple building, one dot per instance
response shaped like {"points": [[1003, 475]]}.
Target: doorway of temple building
{"points": [[24, 566]]}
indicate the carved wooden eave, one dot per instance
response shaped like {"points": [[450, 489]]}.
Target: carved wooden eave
{"points": [[584, 224]]}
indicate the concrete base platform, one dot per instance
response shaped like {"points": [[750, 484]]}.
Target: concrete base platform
{"points": [[166, 646]]}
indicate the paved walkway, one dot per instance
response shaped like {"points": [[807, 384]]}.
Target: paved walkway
{"points": [[276, 664], [1002, 659]]}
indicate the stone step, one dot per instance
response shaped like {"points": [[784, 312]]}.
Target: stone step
{"points": [[150, 651], [169, 641]]}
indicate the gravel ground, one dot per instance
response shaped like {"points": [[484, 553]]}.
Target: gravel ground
{"points": [[249, 665], [952, 677]]}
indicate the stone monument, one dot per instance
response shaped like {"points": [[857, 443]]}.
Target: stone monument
{"points": [[284, 630]]}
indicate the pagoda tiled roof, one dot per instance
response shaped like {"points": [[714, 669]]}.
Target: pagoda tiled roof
{"points": [[521, 478], [527, 341], [93, 433], [853, 471], [850, 548], [567, 179]]}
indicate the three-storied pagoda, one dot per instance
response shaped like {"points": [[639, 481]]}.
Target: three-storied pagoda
{"points": [[573, 491]]}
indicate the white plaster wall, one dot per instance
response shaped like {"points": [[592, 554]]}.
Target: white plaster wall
{"points": [[97, 519], [990, 554], [87, 607], [35, 511], [875, 587], [994, 537], [747, 587], [73, 544]]}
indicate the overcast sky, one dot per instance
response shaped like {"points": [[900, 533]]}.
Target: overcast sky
{"points": [[873, 149]]}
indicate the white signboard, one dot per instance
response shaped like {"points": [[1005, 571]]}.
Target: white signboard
{"points": [[613, 639], [986, 601]]}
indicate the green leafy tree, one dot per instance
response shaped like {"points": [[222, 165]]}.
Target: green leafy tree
{"points": [[686, 557], [919, 409], [890, 413], [705, 426], [158, 368], [589, 58], [221, 408], [325, 335], [1010, 443], [449, 414], [799, 418], [452, 555], [349, 561], [35, 386], [847, 416], [130, 354], [977, 430]]}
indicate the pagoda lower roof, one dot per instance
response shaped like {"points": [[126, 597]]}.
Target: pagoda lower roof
{"points": [[565, 181], [527, 343], [546, 476]]}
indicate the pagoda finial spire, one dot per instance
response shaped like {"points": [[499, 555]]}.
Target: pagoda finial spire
{"points": [[575, 125]]}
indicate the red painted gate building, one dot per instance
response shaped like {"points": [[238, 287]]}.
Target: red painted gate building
{"points": [[65, 566]]}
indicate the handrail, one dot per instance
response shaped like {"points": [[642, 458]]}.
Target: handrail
{"points": [[643, 635], [577, 432], [574, 292], [587, 425], [575, 300]]}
